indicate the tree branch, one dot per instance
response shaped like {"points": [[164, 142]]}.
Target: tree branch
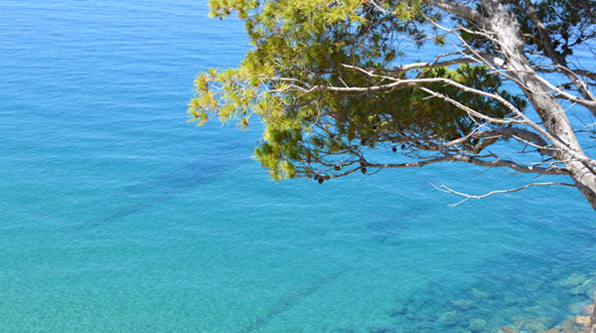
{"points": [[554, 170], [457, 9], [446, 189]]}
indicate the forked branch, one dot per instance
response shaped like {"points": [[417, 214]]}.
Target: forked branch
{"points": [[446, 189]]}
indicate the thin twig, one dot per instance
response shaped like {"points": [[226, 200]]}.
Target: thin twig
{"points": [[446, 189]]}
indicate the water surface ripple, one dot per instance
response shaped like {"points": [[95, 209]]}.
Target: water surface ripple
{"points": [[117, 215]]}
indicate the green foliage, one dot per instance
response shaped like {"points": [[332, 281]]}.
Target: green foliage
{"points": [[310, 131]]}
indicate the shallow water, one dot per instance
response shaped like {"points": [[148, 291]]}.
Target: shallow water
{"points": [[116, 214]]}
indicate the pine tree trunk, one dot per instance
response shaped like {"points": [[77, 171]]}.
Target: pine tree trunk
{"points": [[585, 180], [506, 29]]}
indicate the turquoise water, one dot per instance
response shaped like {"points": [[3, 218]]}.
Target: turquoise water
{"points": [[117, 215]]}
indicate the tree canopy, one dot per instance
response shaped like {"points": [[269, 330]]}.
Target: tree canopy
{"points": [[332, 83]]}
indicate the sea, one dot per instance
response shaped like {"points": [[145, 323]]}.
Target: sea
{"points": [[118, 215]]}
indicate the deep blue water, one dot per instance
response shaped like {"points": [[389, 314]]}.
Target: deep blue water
{"points": [[118, 215]]}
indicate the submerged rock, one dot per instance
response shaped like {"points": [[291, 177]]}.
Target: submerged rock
{"points": [[477, 325], [591, 292], [576, 308], [585, 289], [588, 310], [536, 324], [507, 329], [463, 304], [449, 318], [532, 286], [510, 300], [573, 280], [559, 330], [567, 324], [551, 301], [397, 310], [478, 293], [579, 290], [534, 310], [412, 316], [382, 327], [583, 321]]}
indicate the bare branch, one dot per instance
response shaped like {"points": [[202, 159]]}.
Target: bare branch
{"points": [[545, 38], [554, 170], [427, 65], [446, 189], [457, 9], [408, 165], [497, 162], [469, 110], [560, 69], [415, 82], [591, 103]]}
